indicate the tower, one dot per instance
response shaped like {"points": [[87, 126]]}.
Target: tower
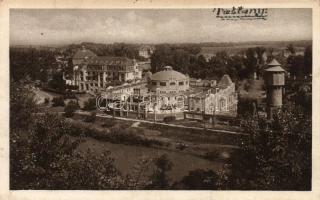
{"points": [[274, 79]]}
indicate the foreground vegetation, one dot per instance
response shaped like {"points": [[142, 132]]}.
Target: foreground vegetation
{"points": [[42, 155]]}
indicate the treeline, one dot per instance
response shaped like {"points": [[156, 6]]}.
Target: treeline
{"points": [[32, 63], [185, 58], [116, 49], [188, 59]]}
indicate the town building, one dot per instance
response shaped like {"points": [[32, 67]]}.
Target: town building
{"points": [[168, 81], [94, 73], [220, 99], [146, 51], [168, 93]]}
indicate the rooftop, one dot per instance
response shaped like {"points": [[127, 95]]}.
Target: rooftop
{"points": [[274, 62], [225, 80], [107, 60], [84, 53], [168, 74]]}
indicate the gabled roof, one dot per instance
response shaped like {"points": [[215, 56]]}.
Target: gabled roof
{"points": [[225, 80]]}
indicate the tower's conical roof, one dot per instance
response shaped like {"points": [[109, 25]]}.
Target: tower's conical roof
{"points": [[274, 66], [274, 62]]}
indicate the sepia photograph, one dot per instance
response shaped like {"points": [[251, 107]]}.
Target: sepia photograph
{"points": [[161, 99]]}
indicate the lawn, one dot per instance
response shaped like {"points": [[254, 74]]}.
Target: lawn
{"points": [[126, 156]]}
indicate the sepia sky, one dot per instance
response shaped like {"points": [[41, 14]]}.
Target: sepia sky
{"points": [[66, 26]]}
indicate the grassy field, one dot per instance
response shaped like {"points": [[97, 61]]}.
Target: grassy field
{"points": [[126, 156]]}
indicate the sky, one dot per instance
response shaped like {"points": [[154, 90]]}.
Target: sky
{"points": [[66, 26]]}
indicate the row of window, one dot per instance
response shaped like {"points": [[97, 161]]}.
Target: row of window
{"points": [[110, 67], [171, 83]]}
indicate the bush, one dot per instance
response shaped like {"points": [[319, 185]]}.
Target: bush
{"points": [[91, 118], [169, 119], [200, 179], [69, 95], [57, 101], [212, 155], [46, 100], [90, 104], [109, 123], [71, 107]]}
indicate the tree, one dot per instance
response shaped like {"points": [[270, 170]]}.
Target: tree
{"points": [[34, 160], [277, 154], [22, 105], [308, 61], [70, 108], [291, 49], [88, 171], [91, 118], [57, 101], [198, 180], [57, 82], [159, 179], [296, 65], [90, 104]]}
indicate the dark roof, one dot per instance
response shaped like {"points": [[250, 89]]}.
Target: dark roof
{"points": [[84, 53], [107, 60]]}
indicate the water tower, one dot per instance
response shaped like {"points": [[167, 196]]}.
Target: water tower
{"points": [[274, 79]]}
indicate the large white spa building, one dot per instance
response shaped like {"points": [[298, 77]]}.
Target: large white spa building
{"points": [[166, 92]]}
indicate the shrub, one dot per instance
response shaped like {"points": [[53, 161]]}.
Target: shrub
{"points": [[90, 104], [46, 100], [71, 107], [169, 119], [200, 179], [91, 118], [212, 155], [109, 123], [69, 95], [57, 101]]}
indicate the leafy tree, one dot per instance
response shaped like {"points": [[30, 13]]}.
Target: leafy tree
{"points": [[91, 118], [291, 49], [57, 82], [88, 171], [277, 156], [159, 179], [198, 180], [70, 108], [34, 159], [90, 104], [308, 60], [57, 101], [296, 65], [22, 105]]}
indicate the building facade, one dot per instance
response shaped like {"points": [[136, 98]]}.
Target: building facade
{"points": [[146, 51], [96, 73], [168, 93], [219, 100], [168, 81]]}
